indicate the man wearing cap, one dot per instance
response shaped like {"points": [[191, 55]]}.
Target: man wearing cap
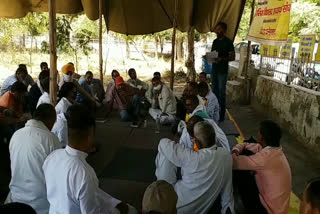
{"points": [[160, 197], [67, 72], [206, 171], [128, 99]]}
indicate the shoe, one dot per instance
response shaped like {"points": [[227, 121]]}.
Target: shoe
{"points": [[134, 125]]}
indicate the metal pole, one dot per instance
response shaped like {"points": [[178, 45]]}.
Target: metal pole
{"points": [[53, 51], [249, 42], [100, 41], [173, 45]]}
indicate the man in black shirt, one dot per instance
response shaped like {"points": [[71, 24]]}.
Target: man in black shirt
{"points": [[220, 67]]}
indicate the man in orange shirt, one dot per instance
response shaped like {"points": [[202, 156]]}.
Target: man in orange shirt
{"points": [[11, 103], [272, 175], [11, 110]]}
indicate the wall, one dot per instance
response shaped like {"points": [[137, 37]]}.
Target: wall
{"points": [[295, 107]]}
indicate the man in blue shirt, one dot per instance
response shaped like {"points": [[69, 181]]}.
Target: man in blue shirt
{"points": [[224, 47]]}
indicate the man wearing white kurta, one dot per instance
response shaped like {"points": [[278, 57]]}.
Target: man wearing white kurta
{"points": [[210, 101], [163, 103], [29, 147], [206, 174], [187, 136], [72, 184]]}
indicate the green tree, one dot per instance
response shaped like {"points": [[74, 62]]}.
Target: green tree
{"points": [[305, 18]]}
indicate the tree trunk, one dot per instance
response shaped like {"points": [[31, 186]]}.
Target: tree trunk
{"points": [[156, 39], [191, 71], [24, 41], [179, 48], [36, 43], [161, 45], [127, 48], [31, 54]]}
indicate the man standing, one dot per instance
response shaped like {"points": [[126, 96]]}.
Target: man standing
{"points": [[29, 147], [225, 52], [163, 103], [72, 184], [206, 174]]}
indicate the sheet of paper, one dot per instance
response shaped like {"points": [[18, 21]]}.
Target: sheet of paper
{"points": [[211, 56]]}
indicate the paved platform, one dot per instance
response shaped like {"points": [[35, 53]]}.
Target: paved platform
{"points": [[125, 159]]}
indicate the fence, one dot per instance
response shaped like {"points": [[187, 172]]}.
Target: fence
{"points": [[302, 72]]}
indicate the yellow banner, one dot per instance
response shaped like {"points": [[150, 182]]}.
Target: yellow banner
{"points": [[306, 47], [286, 50], [318, 54], [269, 50], [271, 22]]}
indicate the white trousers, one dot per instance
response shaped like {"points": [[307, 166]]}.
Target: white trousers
{"points": [[164, 120], [165, 170]]}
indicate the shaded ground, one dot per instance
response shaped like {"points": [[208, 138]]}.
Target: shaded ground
{"points": [[125, 161]]}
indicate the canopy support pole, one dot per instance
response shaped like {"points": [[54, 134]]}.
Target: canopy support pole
{"points": [[173, 45], [53, 51], [249, 42], [100, 41], [247, 80]]}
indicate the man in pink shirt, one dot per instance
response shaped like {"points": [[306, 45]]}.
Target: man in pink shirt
{"points": [[271, 170]]}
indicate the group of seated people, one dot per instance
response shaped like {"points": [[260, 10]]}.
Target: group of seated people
{"points": [[195, 169]]}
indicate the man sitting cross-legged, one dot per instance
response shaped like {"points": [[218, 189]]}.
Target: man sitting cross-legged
{"points": [[266, 187], [129, 101], [72, 184], [163, 103], [210, 101], [206, 174], [135, 82], [29, 147]]}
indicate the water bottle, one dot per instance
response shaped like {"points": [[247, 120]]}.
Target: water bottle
{"points": [[145, 123], [158, 124]]}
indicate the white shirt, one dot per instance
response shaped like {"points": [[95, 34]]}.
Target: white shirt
{"points": [[212, 106], [72, 185], [221, 138], [63, 105], [167, 101], [206, 174], [29, 147], [60, 129], [44, 99]]}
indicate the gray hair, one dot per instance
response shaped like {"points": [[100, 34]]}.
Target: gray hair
{"points": [[205, 133]]}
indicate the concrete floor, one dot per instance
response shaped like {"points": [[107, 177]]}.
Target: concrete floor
{"points": [[125, 165]]}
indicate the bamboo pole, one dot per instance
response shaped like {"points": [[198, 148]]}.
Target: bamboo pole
{"points": [[100, 41], [53, 51], [173, 45]]}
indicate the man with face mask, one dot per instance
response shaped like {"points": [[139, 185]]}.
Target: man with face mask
{"points": [[224, 47], [163, 103], [85, 82], [67, 72]]}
